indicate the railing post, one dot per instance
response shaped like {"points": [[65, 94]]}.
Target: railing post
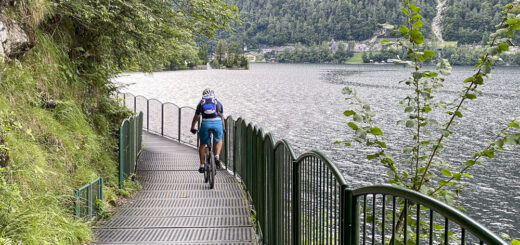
{"points": [[347, 208], [162, 119], [235, 155], [135, 104], [89, 201], [296, 203], [101, 189], [147, 115], [180, 120], [121, 155], [76, 203]]}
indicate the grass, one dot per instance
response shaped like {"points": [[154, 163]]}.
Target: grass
{"points": [[356, 59], [52, 150]]}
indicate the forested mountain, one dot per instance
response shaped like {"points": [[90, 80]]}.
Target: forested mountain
{"points": [[279, 22], [471, 21]]}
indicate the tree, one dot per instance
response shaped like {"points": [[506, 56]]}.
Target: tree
{"points": [[115, 35], [221, 50], [341, 55], [203, 54], [421, 167]]}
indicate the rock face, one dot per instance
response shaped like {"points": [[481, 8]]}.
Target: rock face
{"points": [[15, 39]]}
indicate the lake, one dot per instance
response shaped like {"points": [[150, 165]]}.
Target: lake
{"points": [[304, 104]]}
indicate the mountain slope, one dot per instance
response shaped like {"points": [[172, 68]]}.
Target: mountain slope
{"points": [[279, 22]]}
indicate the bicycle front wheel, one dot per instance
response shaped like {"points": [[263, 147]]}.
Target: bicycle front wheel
{"points": [[212, 169]]}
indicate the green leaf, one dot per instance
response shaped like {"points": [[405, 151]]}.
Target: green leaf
{"points": [[381, 143], [490, 153], [457, 176], [513, 124], [426, 109], [417, 25], [515, 242], [428, 54], [470, 163], [376, 131], [349, 113], [404, 29], [443, 183], [358, 118], [409, 109], [467, 175], [410, 123], [347, 91], [417, 37], [470, 96], [353, 126], [503, 47], [414, 8], [361, 133], [446, 172], [445, 132], [469, 79], [405, 11], [374, 156], [458, 114]]}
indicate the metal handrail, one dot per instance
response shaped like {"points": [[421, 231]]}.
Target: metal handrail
{"points": [[441, 208], [251, 156], [130, 146], [90, 200], [337, 174]]}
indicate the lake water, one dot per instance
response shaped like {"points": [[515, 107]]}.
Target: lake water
{"points": [[304, 104]]}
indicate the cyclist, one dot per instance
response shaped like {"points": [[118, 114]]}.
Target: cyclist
{"points": [[212, 119]]}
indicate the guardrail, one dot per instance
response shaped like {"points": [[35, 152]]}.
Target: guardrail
{"points": [[85, 199], [306, 200], [130, 146]]}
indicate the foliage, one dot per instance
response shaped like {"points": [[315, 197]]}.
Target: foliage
{"points": [[311, 22], [421, 166], [314, 54], [471, 21], [54, 149], [229, 57]]}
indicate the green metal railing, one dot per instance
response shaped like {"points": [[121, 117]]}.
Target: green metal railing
{"points": [[85, 199], [306, 200], [130, 146]]}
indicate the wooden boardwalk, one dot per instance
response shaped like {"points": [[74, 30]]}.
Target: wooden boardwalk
{"points": [[176, 206]]}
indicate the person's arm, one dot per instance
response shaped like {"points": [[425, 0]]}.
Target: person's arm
{"points": [[223, 122], [221, 113], [196, 118]]}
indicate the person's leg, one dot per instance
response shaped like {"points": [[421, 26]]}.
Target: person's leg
{"points": [[218, 147], [202, 147], [204, 140]]}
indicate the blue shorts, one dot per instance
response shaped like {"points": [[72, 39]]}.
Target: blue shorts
{"points": [[206, 125]]}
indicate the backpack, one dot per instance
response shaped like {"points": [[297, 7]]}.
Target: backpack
{"points": [[209, 106]]}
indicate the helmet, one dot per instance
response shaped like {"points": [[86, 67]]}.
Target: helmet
{"points": [[208, 91]]}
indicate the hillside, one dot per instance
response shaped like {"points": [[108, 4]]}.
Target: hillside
{"points": [[59, 118], [471, 21], [282, 22]]}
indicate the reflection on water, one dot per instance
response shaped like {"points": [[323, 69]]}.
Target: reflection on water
{"points": [[304, 104]]}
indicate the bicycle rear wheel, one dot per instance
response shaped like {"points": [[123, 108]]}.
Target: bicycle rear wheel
{"points": [[206, 169], [212, 169]]}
